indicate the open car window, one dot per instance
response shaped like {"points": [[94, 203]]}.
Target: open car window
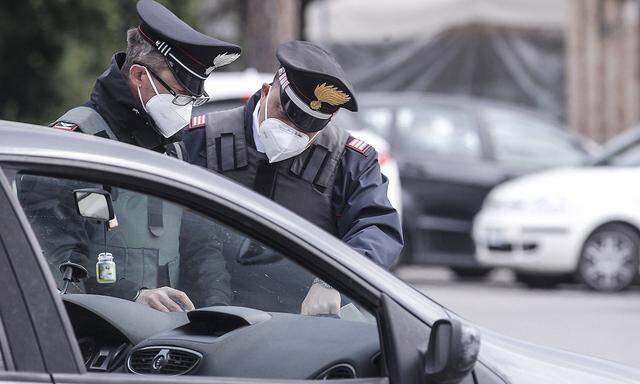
{"points": [[152, 243], [155, 243]]}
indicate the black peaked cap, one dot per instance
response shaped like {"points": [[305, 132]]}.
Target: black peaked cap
{"points": [[311, 72], [191, 55]]}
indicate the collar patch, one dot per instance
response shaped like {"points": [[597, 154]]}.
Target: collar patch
{"points": [[197, 121]]}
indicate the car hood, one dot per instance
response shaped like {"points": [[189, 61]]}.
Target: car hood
{"points": [[524, 363], [571, 181]]}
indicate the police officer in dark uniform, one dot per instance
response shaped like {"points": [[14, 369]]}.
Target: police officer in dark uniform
{"points": [[283, 145], [145, 98]]}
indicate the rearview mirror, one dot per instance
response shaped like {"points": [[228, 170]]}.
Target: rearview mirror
{"points": [[94, 204], [452, 352]]}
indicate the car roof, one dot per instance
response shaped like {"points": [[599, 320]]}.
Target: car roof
{"points": [[20, 141]]}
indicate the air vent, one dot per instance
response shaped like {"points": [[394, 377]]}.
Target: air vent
{"points": [[338, 372], [163, 361]]}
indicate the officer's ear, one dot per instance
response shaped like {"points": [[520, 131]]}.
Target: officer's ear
{"points": [[264, 90], [137, 75]]}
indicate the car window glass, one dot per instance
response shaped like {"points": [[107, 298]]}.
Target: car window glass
{"points": [[628, 158], [524, 139], [158, 243], [436, 130], [376, 119]]}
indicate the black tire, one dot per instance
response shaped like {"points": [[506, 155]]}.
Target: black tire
{"points": [[538, 281], [468, 273], [609, 258]]}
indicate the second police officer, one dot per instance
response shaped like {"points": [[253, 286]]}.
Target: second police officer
{"points": [[144, 98], [283, 145]]}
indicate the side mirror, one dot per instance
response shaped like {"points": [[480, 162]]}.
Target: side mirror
{"points": [[94, 204], [452, 352]]}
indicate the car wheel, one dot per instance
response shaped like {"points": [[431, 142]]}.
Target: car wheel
{"points": [[471, 273], [609, 259], [538, 281]]}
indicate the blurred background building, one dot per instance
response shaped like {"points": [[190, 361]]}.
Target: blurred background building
{"points": [[576, 60]]}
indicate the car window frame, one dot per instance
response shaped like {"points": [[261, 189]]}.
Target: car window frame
{"points": [[44, 314], [323, 267], [228, 215]]}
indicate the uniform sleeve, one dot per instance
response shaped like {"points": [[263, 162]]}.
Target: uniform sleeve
{"points": [[366, 219], [203, 272]]}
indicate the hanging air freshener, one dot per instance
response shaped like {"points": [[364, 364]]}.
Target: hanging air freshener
{"points": [[105, 268]]}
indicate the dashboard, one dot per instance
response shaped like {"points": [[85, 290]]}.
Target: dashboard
{"points": [[117, 335]]}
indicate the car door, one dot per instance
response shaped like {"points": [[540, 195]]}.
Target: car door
{"points": [[445, 174], [399, 360]]}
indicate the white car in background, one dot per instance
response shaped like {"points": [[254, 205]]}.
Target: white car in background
{"points": [[232, 89], [582, 222]]}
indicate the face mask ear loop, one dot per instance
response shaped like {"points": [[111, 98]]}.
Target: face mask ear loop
{"points": [[151, 81], [266, 104], [266, 108], [312, 140], [141, 102]]}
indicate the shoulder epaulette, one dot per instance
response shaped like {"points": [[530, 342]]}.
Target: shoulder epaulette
{"points": [[358, 145]]}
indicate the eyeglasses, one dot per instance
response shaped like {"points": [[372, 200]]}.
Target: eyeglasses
{"points": [[178, 98]]}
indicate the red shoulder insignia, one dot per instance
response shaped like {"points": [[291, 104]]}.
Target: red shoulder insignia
{"points": [[197, 121], [358, 145], [65, 126]]}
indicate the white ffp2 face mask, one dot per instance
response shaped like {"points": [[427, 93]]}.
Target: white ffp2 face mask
{"points": [[280, 140], [169, 118]]}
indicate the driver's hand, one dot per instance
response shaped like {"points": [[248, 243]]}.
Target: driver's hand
{"points": [[321, 301], [165, 299]]}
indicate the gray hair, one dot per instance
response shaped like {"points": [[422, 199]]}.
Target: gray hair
{"points": [[141, 51]]}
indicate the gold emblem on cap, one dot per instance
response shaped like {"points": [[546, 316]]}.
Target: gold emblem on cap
{"points": [[328, 94]]}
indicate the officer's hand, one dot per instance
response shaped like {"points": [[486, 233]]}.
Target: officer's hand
{"points": [[321, 301], [165, 299]]}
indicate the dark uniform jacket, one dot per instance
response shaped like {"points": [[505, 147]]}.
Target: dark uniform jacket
{"points": [[190, 260], [335, 186], [362, 214]]}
